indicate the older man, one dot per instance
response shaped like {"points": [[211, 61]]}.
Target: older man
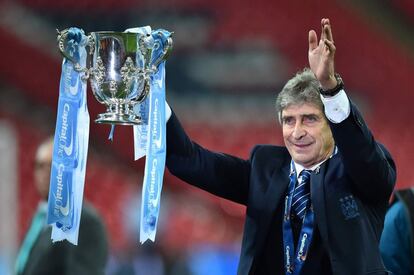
{"points": [[315, 206], [38, 255]]}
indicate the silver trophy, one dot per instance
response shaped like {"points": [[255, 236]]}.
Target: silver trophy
{"points": [[119, 66]]}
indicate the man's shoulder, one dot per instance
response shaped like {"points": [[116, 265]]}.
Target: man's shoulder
{"points": [[397, 210], [92, 230], [267, 149], [90, 217], [397, 217], [265, 153]]}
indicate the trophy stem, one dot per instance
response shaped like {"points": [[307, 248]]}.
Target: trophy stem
{"points": [[119, 114]]}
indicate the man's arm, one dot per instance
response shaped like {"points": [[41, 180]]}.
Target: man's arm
{"points": [[368, 163], [221, 174]]}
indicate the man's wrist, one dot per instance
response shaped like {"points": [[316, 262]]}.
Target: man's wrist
{"points": [[328, 83], [336, 89]]}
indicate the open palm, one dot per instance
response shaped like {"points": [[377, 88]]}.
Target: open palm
{"points": [[321, 56]]}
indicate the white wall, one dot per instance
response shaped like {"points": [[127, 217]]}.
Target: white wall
{"points": [[8, 196]]}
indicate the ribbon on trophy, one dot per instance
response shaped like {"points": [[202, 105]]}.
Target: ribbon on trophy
{"points": [[155, 160], [142, 109], [70, 147], [150, 137], [72, 126]]}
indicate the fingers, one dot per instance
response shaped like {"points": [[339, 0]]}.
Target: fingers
{"points": [[327, 37], [329, 46], [322, 29], [313, 40], [326, 30]]}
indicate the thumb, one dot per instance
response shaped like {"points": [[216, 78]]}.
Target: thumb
{"points": [[313, 40]]}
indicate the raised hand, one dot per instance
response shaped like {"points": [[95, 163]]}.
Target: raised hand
{"points": [[321, 55]]}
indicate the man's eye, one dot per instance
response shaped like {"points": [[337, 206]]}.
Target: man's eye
{"points": [[288, 121], [310, 119]]}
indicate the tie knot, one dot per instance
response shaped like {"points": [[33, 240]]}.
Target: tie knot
{"points": [[305, 175]]}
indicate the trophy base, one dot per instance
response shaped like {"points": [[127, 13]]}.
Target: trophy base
{"points": [[118, 119]]}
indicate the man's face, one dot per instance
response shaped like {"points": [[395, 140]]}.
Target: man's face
{"points": [[43, 161], [307, 134]]}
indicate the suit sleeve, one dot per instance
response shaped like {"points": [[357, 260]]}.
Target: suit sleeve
{"points": [[220, 174], [368, 163]]}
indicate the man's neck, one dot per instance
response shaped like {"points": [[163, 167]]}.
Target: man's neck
{"points": [[299, 168]]}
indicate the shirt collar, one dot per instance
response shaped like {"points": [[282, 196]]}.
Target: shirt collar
{"points": [[299, 168]]}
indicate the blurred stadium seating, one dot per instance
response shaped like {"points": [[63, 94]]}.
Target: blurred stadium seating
{"points": [[405, 7]]}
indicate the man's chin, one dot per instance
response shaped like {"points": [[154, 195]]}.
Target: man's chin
{"points": [[302, 160], [302, 153]]}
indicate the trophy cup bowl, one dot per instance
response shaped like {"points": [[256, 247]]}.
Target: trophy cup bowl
{"points": [[119, 67]]}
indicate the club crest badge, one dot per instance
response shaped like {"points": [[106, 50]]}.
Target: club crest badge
{"points": [[349, 207]]}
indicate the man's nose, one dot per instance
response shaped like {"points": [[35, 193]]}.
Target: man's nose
{"points": [[299, 131]]}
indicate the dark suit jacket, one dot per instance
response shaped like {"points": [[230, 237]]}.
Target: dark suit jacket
{"points": [[61, 258], [349, 192]]}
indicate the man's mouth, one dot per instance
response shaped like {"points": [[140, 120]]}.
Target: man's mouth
{"points": [[301, 146]]}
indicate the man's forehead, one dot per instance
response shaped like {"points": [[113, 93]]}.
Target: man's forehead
{"points": [[303, 109]]}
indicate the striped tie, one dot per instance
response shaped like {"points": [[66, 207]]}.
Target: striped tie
{"points": [[301, 195]]}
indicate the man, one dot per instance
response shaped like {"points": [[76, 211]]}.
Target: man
{"points": [[315, 206], [38, 255], [397, 242]]}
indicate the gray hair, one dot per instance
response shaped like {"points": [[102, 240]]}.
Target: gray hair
{"points": [[302, 88]]}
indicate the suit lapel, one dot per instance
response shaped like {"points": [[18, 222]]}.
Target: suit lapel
{"points": [[276, 192], [318, 200], [277, 188]]}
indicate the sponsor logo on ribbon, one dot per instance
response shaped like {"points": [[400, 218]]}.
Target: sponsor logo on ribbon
{"points": [[63, 133], [59, 187], [155, 126], [302, 246], [70, 146], [156, 153], [70, 79], [152, 188], [65, 209]]}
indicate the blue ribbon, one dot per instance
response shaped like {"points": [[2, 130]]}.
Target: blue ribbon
{"points": [[70, 144], [155, 161], [142, 109], [156, 145], [295, 259], [141, 131], [72, 135]]}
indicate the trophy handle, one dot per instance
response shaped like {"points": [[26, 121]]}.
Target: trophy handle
{"points": [[61, 39], [145, 92], [165, 53]]}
